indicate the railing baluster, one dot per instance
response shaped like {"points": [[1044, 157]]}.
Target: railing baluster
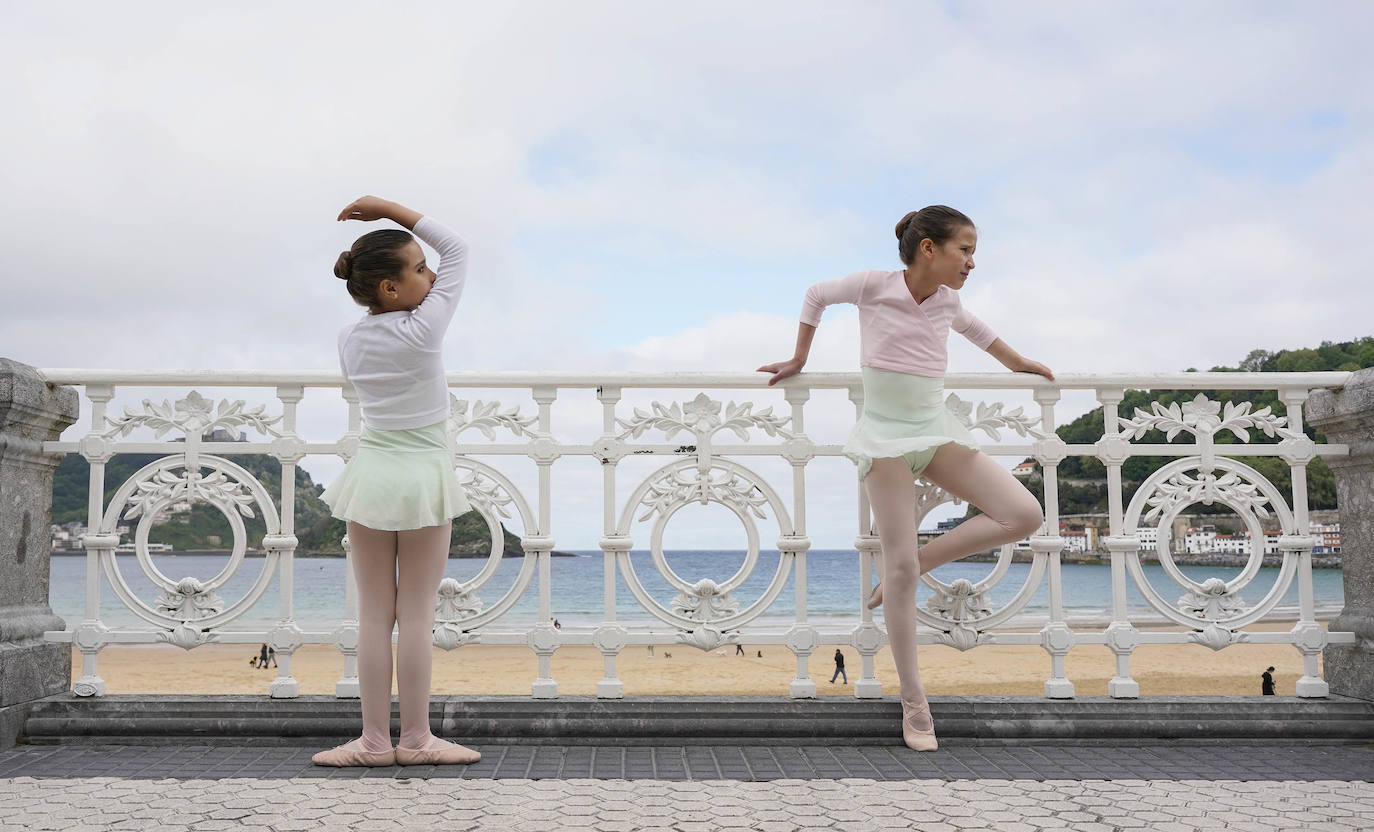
{"points": [[610, 636], [867, 638], [286, 636], [91, 634], [346, 634], [1056, 637], [1121, 635], [544, 640], [1308, 636], [803, 640]]}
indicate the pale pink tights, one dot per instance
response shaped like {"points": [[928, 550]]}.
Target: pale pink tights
{"points": [[398, 576], [1010, 512]]}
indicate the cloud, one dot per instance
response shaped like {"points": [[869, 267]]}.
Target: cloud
{"points": [[1157, 186]]}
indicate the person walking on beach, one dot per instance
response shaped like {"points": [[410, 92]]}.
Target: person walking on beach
{"points": [[262, 657], [398, 492], [906, 431], [1267, 682], [272, 655], [839, 667]]}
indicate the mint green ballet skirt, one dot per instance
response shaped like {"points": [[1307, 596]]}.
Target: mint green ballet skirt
{"points": [[904, 415], [398, 480]]}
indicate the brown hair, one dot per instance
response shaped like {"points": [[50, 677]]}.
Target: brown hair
{"points": [[374, 257], [935, 222]]}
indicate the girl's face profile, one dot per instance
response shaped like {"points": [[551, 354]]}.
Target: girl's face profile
{"points": [[953, 260], [409, 288]]}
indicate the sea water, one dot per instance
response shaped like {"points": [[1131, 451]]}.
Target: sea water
{"points": [[577, 581]]}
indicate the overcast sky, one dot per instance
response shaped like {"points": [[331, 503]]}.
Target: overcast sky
{"points": [[648, 186]]}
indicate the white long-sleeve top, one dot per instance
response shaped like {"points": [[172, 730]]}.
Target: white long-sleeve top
{"points": [[896, 332], [394, 360]]}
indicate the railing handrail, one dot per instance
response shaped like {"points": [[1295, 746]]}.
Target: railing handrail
{"points": [[828, 380]]}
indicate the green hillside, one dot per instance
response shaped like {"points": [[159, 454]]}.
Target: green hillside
{"points": [[204, 527], [1085, 491]]}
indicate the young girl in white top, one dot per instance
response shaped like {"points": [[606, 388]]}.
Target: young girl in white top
{"points": [[905, 430], [398, 493]]}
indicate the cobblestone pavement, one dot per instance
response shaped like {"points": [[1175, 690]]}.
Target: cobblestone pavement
{"points": [[705, 762], [697, 789]]}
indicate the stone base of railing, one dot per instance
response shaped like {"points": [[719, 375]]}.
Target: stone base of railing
{"points": [[728, 720], [28, 672]]}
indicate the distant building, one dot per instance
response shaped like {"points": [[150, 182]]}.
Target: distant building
{"points": [[1231, 544], [1025, 469], [1271, 541], [61, 539], [1199, 540], [1328, 538], [67, 537], [1203, 540], [1149, 537], [1074, 541], [131, 548]]}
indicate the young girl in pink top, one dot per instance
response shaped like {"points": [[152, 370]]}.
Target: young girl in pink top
{"points": [[905, 430]]}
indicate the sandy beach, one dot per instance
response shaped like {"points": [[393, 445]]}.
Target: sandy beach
{"points": [[493, 669]]}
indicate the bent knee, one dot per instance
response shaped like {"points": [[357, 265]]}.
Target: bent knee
{"points": [[1025, 518]]}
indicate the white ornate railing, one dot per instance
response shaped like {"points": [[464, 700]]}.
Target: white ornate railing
{"points": [[710, 468]]}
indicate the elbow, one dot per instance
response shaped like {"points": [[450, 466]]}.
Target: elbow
{"points": [[457, 249]]}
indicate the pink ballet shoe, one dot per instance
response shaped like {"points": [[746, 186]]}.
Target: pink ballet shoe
{"points": [[875, 598], [341, 756], [450, 754], [917, 738]]}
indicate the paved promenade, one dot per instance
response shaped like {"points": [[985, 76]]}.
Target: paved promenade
{"points": [[697, 789]]}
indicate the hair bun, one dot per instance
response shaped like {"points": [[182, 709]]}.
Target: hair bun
{"points": [[904, 222], [343, 267]]}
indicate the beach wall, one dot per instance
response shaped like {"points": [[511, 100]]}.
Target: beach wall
{"points": [[31, 412]]}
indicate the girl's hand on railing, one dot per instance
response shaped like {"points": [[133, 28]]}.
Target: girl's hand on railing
{"points": [[1028, 366], [368, 208], [782, 370], [1015, 361]]}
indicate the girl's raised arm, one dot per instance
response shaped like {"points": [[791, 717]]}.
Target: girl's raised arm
{"points": [[429, 321], [847, 289], [982, 336], [368, 208], [1014, 361]]}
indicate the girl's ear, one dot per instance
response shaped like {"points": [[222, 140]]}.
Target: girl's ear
{"points": [[928, 247], [388, 288]]}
